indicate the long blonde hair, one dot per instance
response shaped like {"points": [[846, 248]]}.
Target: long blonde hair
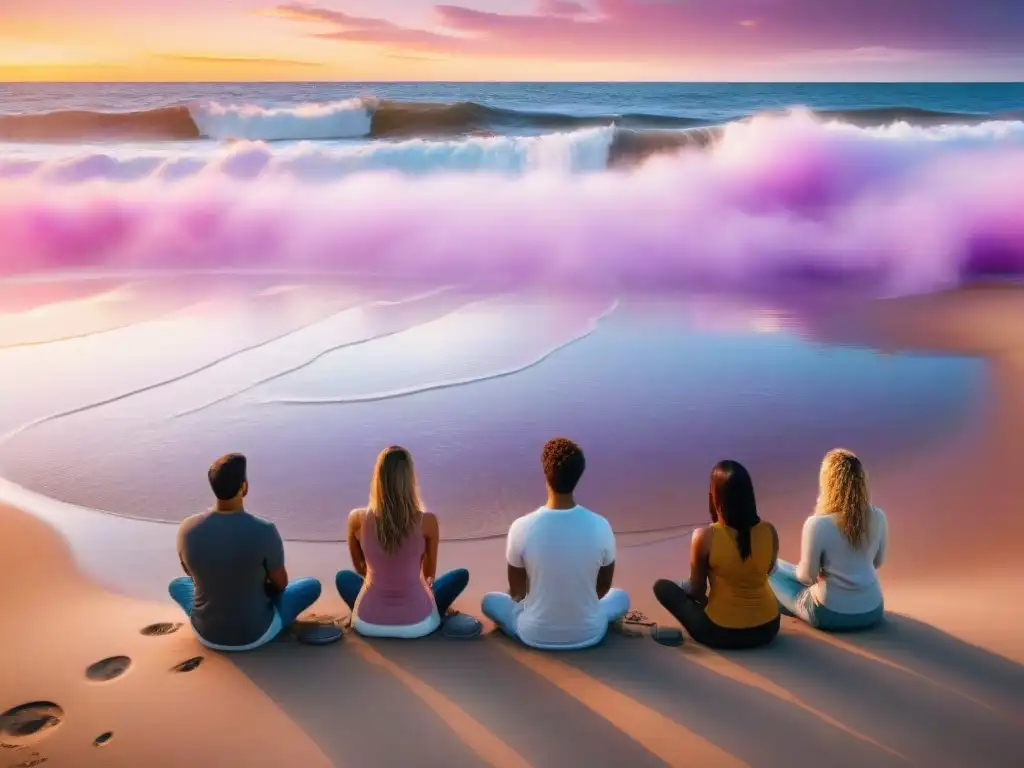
{"points": [[843, 492], [394, 497]]}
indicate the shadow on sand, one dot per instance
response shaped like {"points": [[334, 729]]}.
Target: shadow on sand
{"points": [[903, 694]]}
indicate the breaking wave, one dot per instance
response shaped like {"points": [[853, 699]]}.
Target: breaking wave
{"points": [[373, 118], [775, 204]]}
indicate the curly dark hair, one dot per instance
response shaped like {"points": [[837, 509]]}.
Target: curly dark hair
{"points": [[563, 464]]}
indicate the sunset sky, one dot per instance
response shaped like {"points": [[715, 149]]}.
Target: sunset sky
{"points": [[512, 40]]}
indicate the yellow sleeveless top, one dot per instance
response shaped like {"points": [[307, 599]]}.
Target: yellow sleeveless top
{"points": [[739, 595]]}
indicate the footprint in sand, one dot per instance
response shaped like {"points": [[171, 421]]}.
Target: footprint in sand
{"points": [[188, 665], [29, 723], [156, 630], [103, 739], [108, 669]]}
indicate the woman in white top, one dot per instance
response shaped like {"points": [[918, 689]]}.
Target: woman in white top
{"points": [[835, 585]]}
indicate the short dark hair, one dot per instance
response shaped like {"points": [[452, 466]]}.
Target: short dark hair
{"points": [[563, 464], [227, 476]]}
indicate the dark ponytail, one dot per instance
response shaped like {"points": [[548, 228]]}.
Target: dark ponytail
{"points": [[732, 501]]}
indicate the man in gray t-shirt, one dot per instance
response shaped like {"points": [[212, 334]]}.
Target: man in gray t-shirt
{"points": [[236, 591]]}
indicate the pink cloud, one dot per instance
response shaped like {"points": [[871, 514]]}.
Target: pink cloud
{"points": [[375, 31], [561, 8], [671, 30]]}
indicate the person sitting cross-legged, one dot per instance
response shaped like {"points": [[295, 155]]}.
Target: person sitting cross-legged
{"points": [[727, 603], [835, 585], [393, 545], [236, 590], [561, 561]]}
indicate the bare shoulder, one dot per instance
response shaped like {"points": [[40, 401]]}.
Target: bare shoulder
{"points": [[702, 533], [702, 538], [429, 523], [355, 518]]}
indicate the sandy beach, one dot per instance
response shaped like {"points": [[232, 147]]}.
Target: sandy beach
{"points": [[940, 684], [908, 693]]}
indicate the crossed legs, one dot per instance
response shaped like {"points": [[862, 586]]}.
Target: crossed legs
{"points": [[447, 588], [504, 611], [296, 597]]}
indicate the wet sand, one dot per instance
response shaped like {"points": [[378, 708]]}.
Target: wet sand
{"points": [[939, 685]]}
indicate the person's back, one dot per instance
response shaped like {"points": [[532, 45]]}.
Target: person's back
{"points": [[561, 562], [394, 593], [236, 590], [850, 583], [229, 555], [562, 551], [739, 595], [835, 584], [727, 602], [392, 590]]}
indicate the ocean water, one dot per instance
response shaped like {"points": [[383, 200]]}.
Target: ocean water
{"points": [[125, 390], [309, 272], [891, 188]]}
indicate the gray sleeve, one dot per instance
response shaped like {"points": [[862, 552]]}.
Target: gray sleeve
{"points": [[273, 556], [181, 549]]}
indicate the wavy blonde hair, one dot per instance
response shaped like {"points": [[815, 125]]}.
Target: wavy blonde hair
{"points": [[394, 497], [843, 492]]}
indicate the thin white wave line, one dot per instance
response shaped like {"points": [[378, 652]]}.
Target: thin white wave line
{"points": [[158, 318], [411, 391], [7, 436], [325, 352], [669, 532]]}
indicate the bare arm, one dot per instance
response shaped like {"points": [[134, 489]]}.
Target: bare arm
{"points": [[278, 579], [700, 553], [355, 549], [518, 582], [518, 579], [604, 579], [775, 548], [809, 567], [432, 536]]}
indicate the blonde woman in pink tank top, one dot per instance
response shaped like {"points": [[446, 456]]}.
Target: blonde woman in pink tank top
{"points": [[393, 545]]}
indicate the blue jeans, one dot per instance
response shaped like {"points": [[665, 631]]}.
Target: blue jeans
{"points": [[296, 597], [447, 588], [795, 599]]}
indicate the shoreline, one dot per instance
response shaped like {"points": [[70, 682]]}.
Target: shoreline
{"points": [[938, 684]]}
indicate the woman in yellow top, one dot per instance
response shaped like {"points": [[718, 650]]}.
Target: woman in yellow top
{"points": [[727, 602]]}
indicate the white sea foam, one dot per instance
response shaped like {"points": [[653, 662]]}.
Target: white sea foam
{"points": [[576, 151], [333, 120]]}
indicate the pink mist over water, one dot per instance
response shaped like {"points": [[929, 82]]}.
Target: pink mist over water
{"points": [[777, 205]]}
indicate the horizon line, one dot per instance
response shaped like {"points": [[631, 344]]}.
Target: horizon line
{"points": [[4, 81]]}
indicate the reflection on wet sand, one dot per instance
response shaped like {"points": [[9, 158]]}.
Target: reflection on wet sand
{"points": [[657, 390], [940, 424]]}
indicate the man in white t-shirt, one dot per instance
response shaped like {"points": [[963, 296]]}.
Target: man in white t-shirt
{"points": [[561, 560]]}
